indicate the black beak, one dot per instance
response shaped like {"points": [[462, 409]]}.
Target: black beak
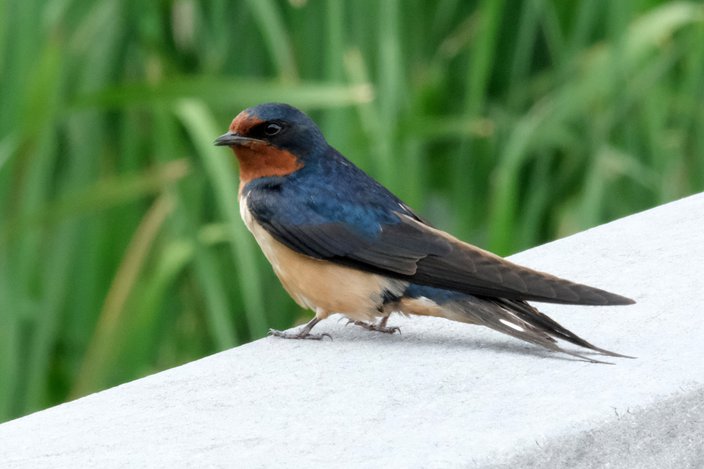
{"points": [[229, 139]]}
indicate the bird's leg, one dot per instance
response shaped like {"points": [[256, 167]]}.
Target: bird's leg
{"points": [[303, 333], [380, 327]]}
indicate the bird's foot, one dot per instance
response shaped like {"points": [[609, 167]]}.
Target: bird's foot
{"points": [[381, 327], [302, 334]]}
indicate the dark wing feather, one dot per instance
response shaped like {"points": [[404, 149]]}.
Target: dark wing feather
{"points": [[395, 251], [472, 270], [375, 239]]}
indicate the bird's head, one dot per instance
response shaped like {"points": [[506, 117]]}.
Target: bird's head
{"points": [[272, 139]]}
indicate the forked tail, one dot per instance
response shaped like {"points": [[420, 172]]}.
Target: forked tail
{"points": [[512, 317]]}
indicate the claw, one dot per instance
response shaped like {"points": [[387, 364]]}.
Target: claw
{"points": [[381, 327], [303, 334]]}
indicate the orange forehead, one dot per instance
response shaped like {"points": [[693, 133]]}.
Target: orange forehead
{"points": [[243, 123]]}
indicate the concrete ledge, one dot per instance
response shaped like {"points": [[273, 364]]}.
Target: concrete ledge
{"points": [[439, 395]]}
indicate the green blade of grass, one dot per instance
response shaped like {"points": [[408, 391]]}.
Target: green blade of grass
{"points": [[272, 27], [228, 94], [218, 165], [99, 196]]}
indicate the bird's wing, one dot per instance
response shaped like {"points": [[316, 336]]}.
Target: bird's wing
{"points": [[475, 271], [399, 245]]}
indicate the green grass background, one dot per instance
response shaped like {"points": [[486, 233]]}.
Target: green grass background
{"points": [[507, 122]]}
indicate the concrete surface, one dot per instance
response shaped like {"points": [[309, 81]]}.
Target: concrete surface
{"points": [[439, 395]]}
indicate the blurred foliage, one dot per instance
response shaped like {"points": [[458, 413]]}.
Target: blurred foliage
{"points": [[507, 122]]}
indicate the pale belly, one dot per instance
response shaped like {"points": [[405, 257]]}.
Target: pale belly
{"points": [[323, 286]]}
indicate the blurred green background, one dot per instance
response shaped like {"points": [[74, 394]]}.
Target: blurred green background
{"points": [[509, 123]]}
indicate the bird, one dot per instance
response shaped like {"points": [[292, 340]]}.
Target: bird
{"points": [[340, 242]]}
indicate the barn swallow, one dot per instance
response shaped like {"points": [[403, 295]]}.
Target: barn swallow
{"points": [[340, 242]]}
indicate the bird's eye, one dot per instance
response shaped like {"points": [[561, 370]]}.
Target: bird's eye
{"points": [[272, 129]]}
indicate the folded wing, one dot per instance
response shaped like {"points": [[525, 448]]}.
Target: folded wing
{"points": [[404, 247]]}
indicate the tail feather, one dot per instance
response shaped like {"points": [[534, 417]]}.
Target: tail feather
{"points": [[543, 322], [512, 317]]}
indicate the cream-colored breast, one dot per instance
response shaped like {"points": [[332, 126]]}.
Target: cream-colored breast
{"points": [[322, 286]]}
